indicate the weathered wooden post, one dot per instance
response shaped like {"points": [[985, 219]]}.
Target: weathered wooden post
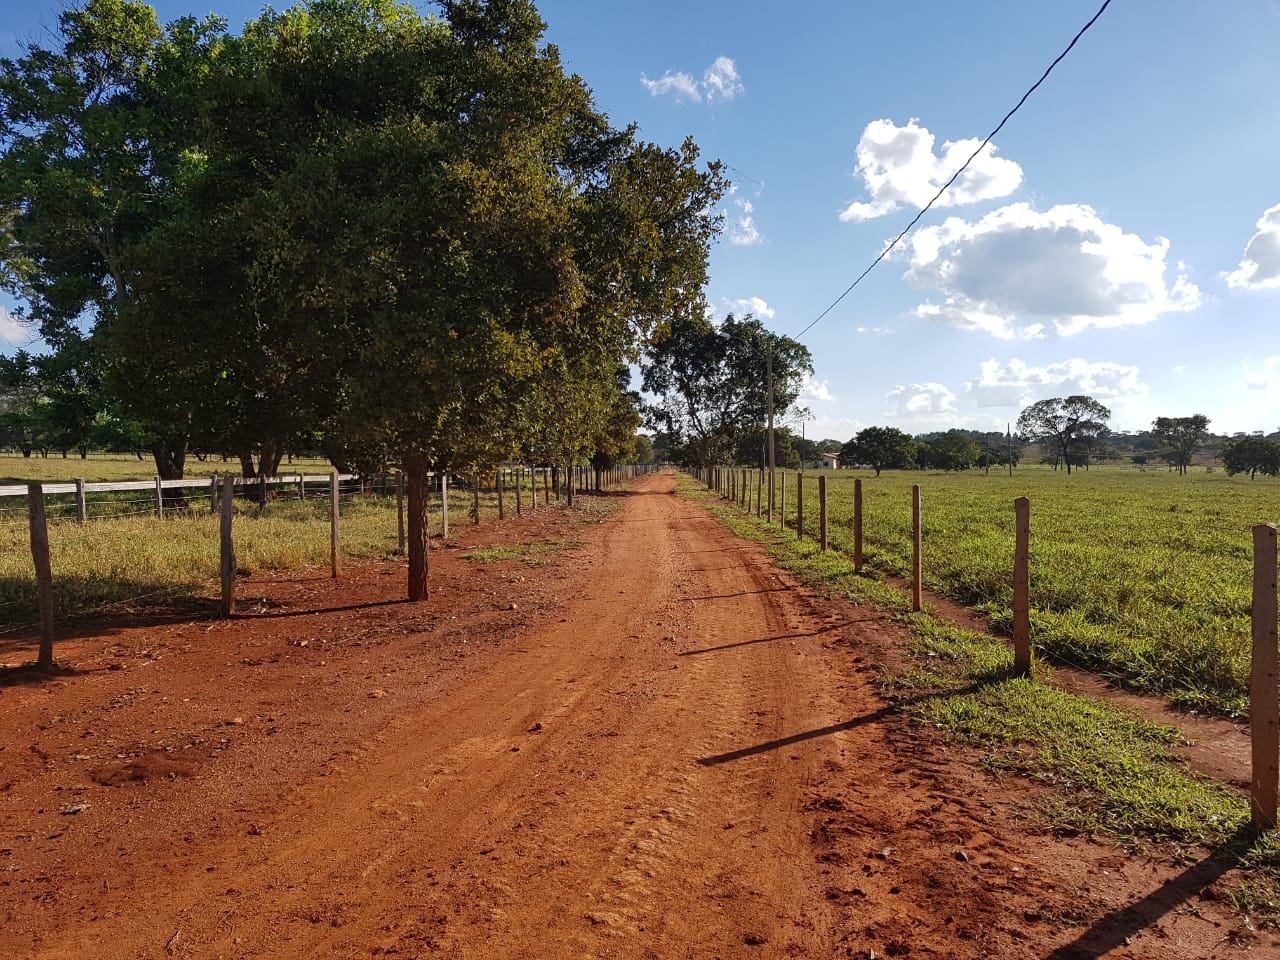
{"points": [[335, 545], [822, 512], [302, 487], [916, 551], [518, 476], [502, 505], [39, 527], [400, 536], [800, 505], [214, 487], [475, 500], [782, 499], [227, 549], [159, 498], [1022, 586], [857, 525], [546, 487], [444, 503], [1264, 694], [759, 494], [82, 509], [772, 488]]}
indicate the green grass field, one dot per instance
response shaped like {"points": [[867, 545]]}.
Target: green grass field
{"points": [[131, 559], [98, 468], [1143, 576]]}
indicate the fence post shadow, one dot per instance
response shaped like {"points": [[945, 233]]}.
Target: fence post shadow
{"points": [[1116, 927]]}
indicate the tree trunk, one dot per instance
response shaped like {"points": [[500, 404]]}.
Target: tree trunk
{"points": [[170, 456], [416, 470]]}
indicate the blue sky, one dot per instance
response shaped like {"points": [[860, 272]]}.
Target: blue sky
{"points": [[1122, 240]]}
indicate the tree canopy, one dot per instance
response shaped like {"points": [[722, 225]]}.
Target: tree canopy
{"points": [[710, 380], [1065, 423], [880, 448], [1252, 455], [1179, 437], [415, 238]]}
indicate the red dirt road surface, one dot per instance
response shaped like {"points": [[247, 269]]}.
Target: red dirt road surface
{"points": [[656, 746]]}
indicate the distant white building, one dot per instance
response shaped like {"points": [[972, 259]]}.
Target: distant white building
{"points": [[831, 461]]}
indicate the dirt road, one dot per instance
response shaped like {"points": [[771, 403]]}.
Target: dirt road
{"points": [[659, 747]]}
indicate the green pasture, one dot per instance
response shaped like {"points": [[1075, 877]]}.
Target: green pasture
{"points": [[1145, 576], [127, 558], [100, 468]]}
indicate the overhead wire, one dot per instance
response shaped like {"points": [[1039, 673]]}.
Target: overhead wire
{"points": [[982, 146]]}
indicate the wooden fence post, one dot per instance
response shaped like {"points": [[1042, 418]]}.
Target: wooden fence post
{"points": [[400, 536], [444, 503], [546, 487], [1022, 586], [916, 551], [800, 505], [227, 549], [502, 506], [335, 546], [82, 508], [822, 512], [518, 475], [475, 500], [213, 494], [760, 494], [782, 499], [1264, 708], [857, 525], [769, 509], [44, 572], [302, 487], [159, 498]]}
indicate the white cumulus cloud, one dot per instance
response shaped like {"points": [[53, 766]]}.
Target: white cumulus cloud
{"points": [[899, 168], [927, 405], [753, 305], [1018, 272], [11, 331], [815, 389], [720, 81], [681, 84], [1260, 266], [1016, 384]]}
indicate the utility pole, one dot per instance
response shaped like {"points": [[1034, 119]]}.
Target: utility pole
{"points": [[768, 385], [1009, 431]]}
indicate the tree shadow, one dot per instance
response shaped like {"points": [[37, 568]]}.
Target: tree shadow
{"points": [[283, 614], [32, 674]]}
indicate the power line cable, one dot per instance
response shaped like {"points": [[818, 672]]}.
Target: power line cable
{"points": [[985, 143]]}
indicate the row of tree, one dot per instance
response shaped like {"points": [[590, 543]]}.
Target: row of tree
{"points": [[414, 241], [713, 401]]}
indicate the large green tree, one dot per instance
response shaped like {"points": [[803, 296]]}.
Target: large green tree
{"points": [[1252, 455], [1065, 423], [87, 167], [709, 382], [1179, 437], [880, 448]]}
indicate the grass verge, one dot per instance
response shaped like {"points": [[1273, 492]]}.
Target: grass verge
{"points": [[1105, 772]]}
